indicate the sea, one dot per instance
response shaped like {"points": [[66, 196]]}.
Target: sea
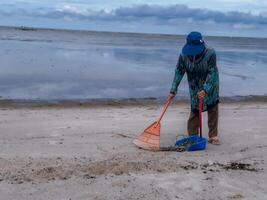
{"points": [[46, 64]]}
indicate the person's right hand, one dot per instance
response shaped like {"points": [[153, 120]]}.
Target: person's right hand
{"points": [[172, 95]]}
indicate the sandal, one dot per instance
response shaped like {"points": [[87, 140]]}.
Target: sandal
{"points": [[214, 140]]}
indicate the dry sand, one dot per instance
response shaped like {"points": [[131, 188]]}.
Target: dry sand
{"points": [[87, 153]]}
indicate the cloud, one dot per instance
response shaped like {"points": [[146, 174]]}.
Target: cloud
{"points": [[243, 26], [142, 12], [173, 12], [264, 14], [147, 18]]}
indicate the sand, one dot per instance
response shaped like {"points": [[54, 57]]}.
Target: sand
{"points": [[87, 153]]}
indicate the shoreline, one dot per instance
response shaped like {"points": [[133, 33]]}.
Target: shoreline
{"points": [[91, 103]]}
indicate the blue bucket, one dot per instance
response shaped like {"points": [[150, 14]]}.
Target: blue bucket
{"points": [[192, 143]]}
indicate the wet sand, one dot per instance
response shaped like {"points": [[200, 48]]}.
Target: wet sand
{"points": [[87, 153]]}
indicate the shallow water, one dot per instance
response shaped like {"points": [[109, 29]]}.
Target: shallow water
{"points": [[48, 64]]}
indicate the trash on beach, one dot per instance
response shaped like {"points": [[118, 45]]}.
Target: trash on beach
{"points": [[192, 143]]}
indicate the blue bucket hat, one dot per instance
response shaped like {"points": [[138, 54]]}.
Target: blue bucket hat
{"points": [[194, 44]]}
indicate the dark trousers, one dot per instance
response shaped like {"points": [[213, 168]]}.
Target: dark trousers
{"points": [[193, 121]]}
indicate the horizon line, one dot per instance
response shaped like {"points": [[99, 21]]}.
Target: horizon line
{"points": [[32, 28]]}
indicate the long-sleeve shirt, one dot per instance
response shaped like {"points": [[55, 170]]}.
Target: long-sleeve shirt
{"points": [[202, 74]]}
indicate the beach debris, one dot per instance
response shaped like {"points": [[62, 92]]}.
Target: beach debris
{"points": [[121, 135], [244, 149], [210, 163], [239, 166], [183, 146], [236, 196], [230, 166], [189, 166], [88, 176], [57, 169], [180, 148]]}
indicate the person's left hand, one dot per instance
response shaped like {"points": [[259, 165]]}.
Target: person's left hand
{"points": [[201, 94]]}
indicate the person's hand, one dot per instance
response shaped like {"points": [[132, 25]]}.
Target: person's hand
{"points": [[201, 94], [172, 95]]}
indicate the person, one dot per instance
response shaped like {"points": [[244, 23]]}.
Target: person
{"points": [[199, 63]]}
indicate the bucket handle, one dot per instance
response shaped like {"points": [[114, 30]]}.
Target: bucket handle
{"points": [[200, 116]]}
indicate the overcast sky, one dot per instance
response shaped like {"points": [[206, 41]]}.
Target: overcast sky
{"points": [[212, 17]]}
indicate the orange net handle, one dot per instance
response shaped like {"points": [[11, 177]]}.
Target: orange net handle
{"points": [[164, 110]]}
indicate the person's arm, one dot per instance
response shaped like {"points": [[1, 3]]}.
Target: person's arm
{"points": [[212, 77], [179, 73]]}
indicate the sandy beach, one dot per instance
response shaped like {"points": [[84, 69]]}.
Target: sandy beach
{"points": [[87, 153], [80, 80]]}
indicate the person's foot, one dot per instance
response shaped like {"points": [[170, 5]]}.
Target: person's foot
{"points": [[214, 140]]}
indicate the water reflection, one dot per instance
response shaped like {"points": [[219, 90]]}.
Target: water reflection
{"points": [[133, 66]]}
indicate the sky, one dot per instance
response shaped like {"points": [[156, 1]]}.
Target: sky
{"points": [[211, 17]]}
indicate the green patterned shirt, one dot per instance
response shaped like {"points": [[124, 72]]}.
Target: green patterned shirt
{"points": [[202, 74]]}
